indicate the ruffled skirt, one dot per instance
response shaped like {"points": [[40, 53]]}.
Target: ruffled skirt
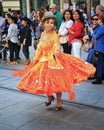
{"points": [[41, 79]]}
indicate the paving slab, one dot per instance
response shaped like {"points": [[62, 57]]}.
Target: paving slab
{"points": [[21, 111], [86, 93]]}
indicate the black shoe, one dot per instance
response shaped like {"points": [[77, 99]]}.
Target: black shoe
{"points": [[103, 77], [4, 59], [19, 58], [97, 81], [49, 103], [91, 78]]}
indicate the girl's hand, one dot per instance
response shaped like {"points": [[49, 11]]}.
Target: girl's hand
{"points": [[57, 53]]}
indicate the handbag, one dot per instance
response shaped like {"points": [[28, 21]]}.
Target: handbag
{"points": [[63, 39], [95, 55], [94, 58], [86, 46]]}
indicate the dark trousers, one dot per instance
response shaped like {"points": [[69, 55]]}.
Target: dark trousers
{"points": [[3, 55], [0, 56], [13, 50], [66, 48], [26, 51], [18, 49], [100, 66]]}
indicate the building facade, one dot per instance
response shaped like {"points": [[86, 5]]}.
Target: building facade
{"points": [[13, 4], [25, 6], [28, 5]]}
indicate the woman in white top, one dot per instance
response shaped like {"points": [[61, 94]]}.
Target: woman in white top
{"points": [[12, 39], [63, 30]]}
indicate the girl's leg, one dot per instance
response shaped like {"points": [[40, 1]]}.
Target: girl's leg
{"points": [[11, 50], [59, 101], [50, 99]]}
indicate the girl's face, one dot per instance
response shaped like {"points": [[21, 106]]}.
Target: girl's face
{"points": [[49, 24], [67, 16], [75, 16], [23, 23], [10, 20]]}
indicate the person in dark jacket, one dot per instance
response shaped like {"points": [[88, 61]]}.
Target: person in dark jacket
{"points": [[25, 38]]}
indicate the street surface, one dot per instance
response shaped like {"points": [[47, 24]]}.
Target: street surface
{"points": [[23, 111]]}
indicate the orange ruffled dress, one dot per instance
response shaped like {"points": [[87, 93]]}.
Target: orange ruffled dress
{"points": [[52, 71]]}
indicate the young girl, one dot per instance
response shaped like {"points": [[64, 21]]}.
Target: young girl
{"points": [[12, 39], [25, 38], [51, 70]]}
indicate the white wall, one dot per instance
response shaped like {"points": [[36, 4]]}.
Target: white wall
{"points": [[102, 2], [28, 7], [14, 5]]}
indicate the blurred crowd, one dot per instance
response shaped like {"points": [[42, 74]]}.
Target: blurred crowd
{"points": [[73, 27]]}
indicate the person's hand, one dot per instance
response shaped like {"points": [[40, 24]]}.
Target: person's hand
{"points": [[90, 29], [35, 42], [85, 38], [57, 53], [59, 35], [70, 31], [6, 40], [24, 42], [6, 45]]}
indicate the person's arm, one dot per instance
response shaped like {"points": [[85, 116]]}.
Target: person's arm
{"points": [[78, 30], [9, 31], [2, 25], [100, 32], [27, 31], [58, 21]]}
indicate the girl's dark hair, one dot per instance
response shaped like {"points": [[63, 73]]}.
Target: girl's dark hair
{"points": [[12, 18], [81, 17], [27, 20], [71, 17]]}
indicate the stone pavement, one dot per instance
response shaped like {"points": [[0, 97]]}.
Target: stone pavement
{"points": [[22, 111]]}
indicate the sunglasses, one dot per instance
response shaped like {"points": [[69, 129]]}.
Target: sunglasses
{"points": [[95, 19]]}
